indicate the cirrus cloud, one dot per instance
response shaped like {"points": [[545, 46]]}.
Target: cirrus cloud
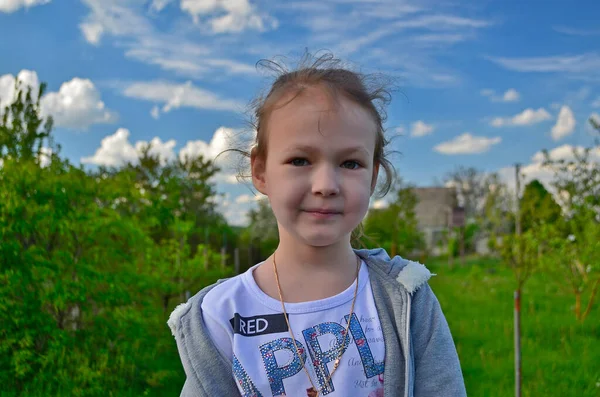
{"points": [[9, 6]]}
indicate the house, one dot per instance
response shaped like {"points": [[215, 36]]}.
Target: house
{"points": [[434, 211]]}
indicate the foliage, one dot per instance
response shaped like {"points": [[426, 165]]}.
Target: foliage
{"points": [[397, 225], [572, 248], [262, 228], [538, 207], [521, 254], [573, 262], [89, 261]]}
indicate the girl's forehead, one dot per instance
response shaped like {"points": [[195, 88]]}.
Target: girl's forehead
{"points": [[316, 114]]}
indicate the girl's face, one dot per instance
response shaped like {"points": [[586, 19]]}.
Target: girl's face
{"points": [[319, 172]]}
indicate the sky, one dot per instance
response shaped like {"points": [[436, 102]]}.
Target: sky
{"points": [[483, 84]]}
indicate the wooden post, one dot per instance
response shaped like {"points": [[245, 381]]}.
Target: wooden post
{"points": [[517, 319], [236, 260], [518, 191], [223, 257], [517, 343]]}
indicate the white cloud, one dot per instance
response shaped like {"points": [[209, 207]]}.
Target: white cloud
{"points": [[228, 16], [223, 139], [26, 79], [510, 95], [535, 169], [45, 156], [155, 112], [218, 143], [378, 204], [246, 198], [77, 105], [467, 144], [585, 66], [112, 17], [565, 124], [420, 128], [526, 117], [576, 32], [174, 96], [9, 6], [399, 129], [158, 5], [596, 103], [92, 32], [564, 152], [116, 150]]}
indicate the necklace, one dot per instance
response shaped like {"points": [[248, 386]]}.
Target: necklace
{"points": [[313, 392]]}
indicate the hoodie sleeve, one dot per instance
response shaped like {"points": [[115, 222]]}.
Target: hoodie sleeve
{"points": [[207, 372], [437, 367]]}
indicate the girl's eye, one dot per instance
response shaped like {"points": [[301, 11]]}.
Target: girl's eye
{"points": [[351, 164], [298, 162]]}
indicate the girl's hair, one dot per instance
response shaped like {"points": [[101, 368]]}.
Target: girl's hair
{"points": [[371, 91]]}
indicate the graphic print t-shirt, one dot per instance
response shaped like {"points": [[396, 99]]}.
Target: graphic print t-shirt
{"points": [[249, 328]]}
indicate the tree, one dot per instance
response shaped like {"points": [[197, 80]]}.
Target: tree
{"points": [[23, 132], [573, 249], [520, 253], [86, 260], [262, 229], [397, 225], [497, 214], [472, 186], [573, 261], [538, 206]]}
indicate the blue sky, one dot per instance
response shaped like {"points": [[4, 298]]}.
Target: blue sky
{"points": [[483, 84]]}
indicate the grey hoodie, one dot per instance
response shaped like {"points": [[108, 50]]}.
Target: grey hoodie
{"points": [[420, 356]]}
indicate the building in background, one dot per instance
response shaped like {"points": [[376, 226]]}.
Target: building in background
{"points": [[434, 211]]}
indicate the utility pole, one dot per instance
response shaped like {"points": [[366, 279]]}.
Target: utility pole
{"points": [[518, 191], [517, 310]]}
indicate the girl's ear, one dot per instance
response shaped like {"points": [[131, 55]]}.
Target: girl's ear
{"points": [[374, 177], [257, 165]]}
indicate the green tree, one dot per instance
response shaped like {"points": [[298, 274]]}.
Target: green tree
{"points": [[573, 261], [86, 260], [262, 230], [538, 206], [573, 252], [23, 132], [397, 225]]}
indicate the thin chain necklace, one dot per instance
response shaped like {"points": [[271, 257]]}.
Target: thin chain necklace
{"points": [[313, 391]]}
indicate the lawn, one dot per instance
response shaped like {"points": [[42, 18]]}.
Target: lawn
{"points": [[560, 357]]}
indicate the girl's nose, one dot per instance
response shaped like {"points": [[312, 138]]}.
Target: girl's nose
{"points": [[325, 181]]}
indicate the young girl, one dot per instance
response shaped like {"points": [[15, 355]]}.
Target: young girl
{"points": [[319, 318]]}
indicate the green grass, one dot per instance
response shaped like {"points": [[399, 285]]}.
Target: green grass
{"points": [[560, 356]]}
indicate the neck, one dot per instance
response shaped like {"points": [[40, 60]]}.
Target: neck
{"points": [[303, 258]]}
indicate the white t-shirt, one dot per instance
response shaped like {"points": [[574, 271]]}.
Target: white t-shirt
{"points": [[249, 328]]}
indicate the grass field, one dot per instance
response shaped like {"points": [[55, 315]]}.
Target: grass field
{"points": [[560, 357]]}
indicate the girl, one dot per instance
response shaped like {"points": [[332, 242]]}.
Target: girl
{"points": [[319, 317]]}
